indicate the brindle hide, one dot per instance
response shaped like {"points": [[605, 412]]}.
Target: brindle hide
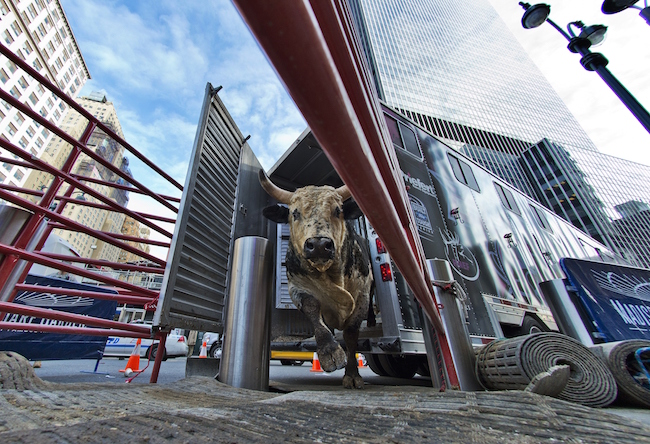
{"points": [[328, 268]]}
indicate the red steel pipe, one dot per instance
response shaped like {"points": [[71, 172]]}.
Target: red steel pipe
{"points": [[41, 328], [46, 313], [76, 226], [103, 263], [329, 87], [293, 42], [62, 175], [123, 237], [156, 364], [129, 298], [33, 257]]}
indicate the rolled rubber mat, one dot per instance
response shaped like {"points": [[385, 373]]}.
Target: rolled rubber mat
{"points": [[633, 386], [511, 364]]}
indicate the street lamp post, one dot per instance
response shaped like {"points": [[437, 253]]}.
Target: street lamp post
{"points": [[536, 15], [614, 6]]}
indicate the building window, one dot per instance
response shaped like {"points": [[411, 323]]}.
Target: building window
{"points": [[12, 66], [23, 142], [15, 27], [463, 172], [36, 37], [18, 174], [32, 11], [11, 129], [30, 131], [39, 142], [37, 65], [7, 37], [14, 92], [3, 76], [19, 119], [27, 47], [4, 11], [33, 98], [22, 82]]}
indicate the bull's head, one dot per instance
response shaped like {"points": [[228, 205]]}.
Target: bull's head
{"points": [[316, 218]]}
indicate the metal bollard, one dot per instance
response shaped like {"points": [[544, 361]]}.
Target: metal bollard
{"points": [[247, 329], [455, 328]]}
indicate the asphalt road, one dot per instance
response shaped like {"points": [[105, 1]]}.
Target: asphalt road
{"points": [[172, 370]]}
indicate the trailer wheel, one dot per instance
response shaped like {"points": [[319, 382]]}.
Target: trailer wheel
{"points": [[375, 365], [400, 366], [531, 326]]}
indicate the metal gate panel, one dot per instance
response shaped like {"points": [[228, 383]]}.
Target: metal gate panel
{"points": [[196, 278]]}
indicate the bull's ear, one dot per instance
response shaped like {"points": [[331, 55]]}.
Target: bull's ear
{"points": [[351, 210], [277, 213]]}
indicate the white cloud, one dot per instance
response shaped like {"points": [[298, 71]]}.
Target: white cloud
{"points": [[611, 126]]}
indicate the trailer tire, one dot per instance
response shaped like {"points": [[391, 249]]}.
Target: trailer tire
{"points": [[375, 365], [531, 325], [403, 367]]}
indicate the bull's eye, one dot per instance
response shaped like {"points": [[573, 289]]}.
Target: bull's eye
{"points": [[337, 212], [296, 215]]}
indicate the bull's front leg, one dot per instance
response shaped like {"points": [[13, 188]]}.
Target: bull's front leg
{"points": [[330, 354]]}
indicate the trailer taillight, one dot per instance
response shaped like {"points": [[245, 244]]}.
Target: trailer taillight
{"points": [[380, 246], [386, 273]]}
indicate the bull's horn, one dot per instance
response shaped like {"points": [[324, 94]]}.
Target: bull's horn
{"points": [[344, 192], [282, 196]]}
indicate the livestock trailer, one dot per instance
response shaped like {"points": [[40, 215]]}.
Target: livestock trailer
{"points": [[499, 243]]}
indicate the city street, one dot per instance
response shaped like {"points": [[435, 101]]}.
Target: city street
{"points": [[172, 370]]}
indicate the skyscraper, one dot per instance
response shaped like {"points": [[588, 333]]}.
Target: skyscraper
{"points": [[39, 32], [456, 70]]}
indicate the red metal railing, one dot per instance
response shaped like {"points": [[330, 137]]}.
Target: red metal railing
{"points": [[315, 50], [48, 214]]}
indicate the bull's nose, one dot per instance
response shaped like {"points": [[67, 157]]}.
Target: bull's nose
{"points": [[319, 248]]}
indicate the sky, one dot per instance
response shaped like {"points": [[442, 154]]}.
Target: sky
{"points": [[153, 60]]}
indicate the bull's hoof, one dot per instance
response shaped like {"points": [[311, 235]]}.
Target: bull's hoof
{"points": [[332, 358], [352, 382]]}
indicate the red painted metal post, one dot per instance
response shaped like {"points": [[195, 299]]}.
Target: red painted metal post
{"points": [[159, 356], [325, 85]]}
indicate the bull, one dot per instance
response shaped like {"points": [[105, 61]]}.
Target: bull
{"points": [[328, 268]]}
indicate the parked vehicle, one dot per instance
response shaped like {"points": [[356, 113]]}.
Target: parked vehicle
{"points": [[214, 344], [175, 346]]}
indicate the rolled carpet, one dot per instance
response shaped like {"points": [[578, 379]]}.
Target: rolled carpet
{"points": [[511, 364], [633, 386]]}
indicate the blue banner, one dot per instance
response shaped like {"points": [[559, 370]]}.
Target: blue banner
{"points": [[616, 297], [47, 346]]}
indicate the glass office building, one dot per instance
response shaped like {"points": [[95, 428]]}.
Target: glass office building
{"points": [[455, 69]]}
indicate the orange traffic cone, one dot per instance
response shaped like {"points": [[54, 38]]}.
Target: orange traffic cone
{"points": [[315, 364], [204, 347], [133, 364], [360, 357]]}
